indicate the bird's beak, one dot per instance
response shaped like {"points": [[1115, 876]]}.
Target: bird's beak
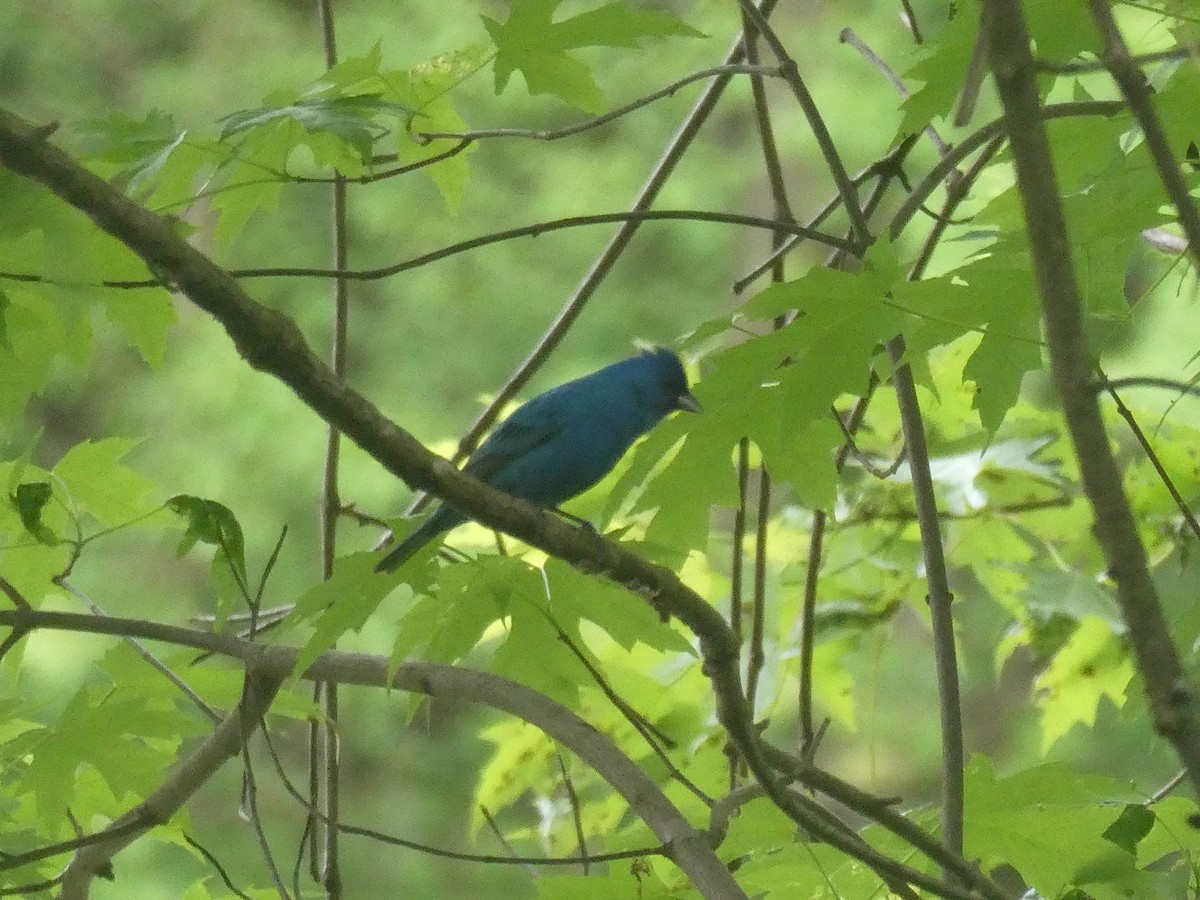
{"points": [[687, 402]]}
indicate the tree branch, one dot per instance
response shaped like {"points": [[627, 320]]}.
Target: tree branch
{"points": [[225, 742], [534, 134], [1132, 82], [271, 342], [1171, 696], [608, 257], [269, 665]]}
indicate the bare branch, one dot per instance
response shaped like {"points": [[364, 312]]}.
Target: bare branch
{"points": [[555, 134], [939, 598], [790, 72], [216, 864], [576, 815], [850, 36], [535, 230]]}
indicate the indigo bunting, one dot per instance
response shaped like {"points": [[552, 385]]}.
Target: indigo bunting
{"points": [[562, 442]]}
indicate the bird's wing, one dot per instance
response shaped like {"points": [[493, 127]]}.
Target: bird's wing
{"points": [[536, 423]]}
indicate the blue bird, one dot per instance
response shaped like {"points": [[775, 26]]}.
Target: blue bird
{"points": [[562, 442]]}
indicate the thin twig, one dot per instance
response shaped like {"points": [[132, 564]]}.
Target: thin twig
{"points": [[756, 657], [737, 566], [850, 36], [302, 844], [153, 661], [251, 815], [910, 21], [325, 752], [535, 230], [216, 864], [604, 263], [372, 177], [790, 72], [630, 219], [808, 606], [256, 603], [861, 457], [1151, 381], [644, 727], [1132, 82], [1177, 779], [939, 598], [1182, 505], [558, 133], [977, 71], [576, 814], [1170, 692], [498, 834], [781, 208]]}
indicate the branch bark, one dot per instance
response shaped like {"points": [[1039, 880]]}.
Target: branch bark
{"points": [[266, 669], [271, 342], [1172, 697], [644, 796], [226, 742]]}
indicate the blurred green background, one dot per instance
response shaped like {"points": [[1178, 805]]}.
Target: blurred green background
{"points": [[430, 345]]}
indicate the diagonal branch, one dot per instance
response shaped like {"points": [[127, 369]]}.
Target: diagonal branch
{"points": [[1172, 697], [790, 73], [270, 341], [224, 743], [939, 598], [1132, 82], [608, 257], [554, 134], [690, 850]]}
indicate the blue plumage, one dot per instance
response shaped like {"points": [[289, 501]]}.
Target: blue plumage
{"points": [[562, 442]]}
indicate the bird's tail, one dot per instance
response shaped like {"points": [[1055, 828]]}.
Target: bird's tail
{"points": [[424, 533]]}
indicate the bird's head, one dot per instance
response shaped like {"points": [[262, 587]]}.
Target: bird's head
{"points": [[663, 382]]}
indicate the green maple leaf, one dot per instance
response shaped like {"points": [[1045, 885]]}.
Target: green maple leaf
{"points": [[530, 42]]}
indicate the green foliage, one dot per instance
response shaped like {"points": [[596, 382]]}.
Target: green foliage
{"points": [[1058, 827], [531, 43], [1053, 695]]}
